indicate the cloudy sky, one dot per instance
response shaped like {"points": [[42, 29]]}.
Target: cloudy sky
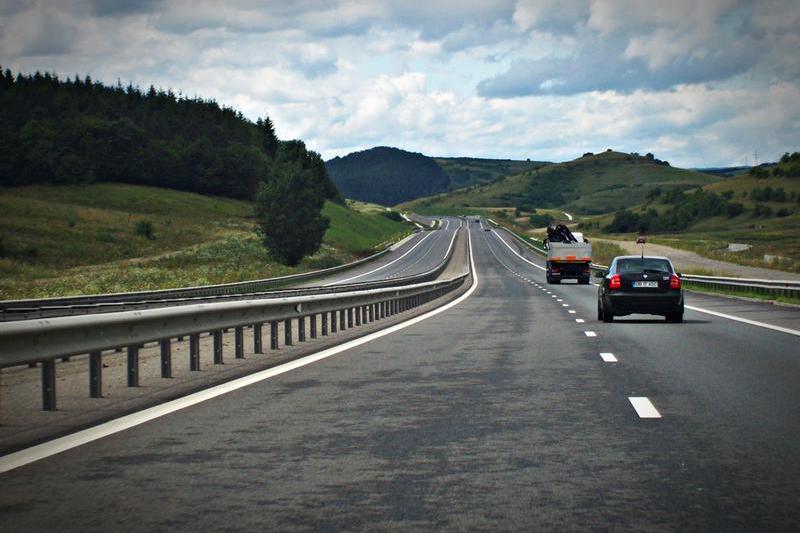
{"points": [[696, 82]]}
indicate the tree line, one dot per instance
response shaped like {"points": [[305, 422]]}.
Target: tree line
{"points": [[77, 130]]}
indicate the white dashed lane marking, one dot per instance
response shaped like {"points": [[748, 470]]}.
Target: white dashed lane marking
{"points": [[580, 320], [644, 407], [572, 312], [590, 333], [608, 357]]}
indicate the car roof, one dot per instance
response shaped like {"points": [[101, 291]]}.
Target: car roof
{"points": [[639, 257]]}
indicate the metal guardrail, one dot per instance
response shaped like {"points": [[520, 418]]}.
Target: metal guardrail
{"points": [[41, 342], [755, 286]]}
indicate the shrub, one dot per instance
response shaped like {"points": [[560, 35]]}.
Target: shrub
{"points": [[782, 212], [392, 215], [761, 210], [144, 228]]}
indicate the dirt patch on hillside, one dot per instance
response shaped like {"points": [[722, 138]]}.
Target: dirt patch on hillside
{"points": [[687, 262]]}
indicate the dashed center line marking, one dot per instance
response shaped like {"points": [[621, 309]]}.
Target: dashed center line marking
{"points": [[572, 311], [564, 305], [580, 320], [608, 357], [559, 300], [590, 333], [644, 407]]}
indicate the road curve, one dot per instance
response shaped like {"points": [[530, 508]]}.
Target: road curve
{"points": [[497, 414]]}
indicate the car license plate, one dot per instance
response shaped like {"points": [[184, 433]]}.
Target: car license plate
{"points": [[645, 284]]}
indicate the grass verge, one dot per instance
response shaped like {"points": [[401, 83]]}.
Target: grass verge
{"points": [[70, 240]]}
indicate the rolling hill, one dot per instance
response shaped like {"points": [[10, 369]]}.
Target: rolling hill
{"points": [[387, 176], [591, 184], [467, 171]]}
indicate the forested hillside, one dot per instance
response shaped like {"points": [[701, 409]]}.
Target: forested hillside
{"points": [[387, 176], [466, 171], [80, 131]]}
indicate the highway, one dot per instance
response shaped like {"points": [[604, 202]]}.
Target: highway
{"points": [[514, 409], [419, 253]]}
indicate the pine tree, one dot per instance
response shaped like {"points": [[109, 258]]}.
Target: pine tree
{"points": [[270, 140]]}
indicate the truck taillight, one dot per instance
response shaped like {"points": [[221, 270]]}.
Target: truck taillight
{"points": [[674, 282], [553, 268], [614, 282]]}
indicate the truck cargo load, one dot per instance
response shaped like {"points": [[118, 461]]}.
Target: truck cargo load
{"points": [[569, 255]]}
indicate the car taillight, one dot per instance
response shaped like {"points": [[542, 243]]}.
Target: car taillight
{"points": [[615, 282], [553, 269], [674, 282]]}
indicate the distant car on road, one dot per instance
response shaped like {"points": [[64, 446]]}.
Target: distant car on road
{"points": [[640, 284]]}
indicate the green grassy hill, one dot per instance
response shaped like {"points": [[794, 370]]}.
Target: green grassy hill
{"points": [[467, 171], [88, 239], [594, 183]]}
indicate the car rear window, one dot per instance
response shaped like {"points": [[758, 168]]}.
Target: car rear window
{"points": [[625, 266]]}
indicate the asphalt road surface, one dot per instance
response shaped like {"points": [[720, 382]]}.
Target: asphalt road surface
{"points": [[420, 253], [500, 413]]}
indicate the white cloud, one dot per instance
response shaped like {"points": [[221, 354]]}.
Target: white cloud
{"points": [[697, 83]]}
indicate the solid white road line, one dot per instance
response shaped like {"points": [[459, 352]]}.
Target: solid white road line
{"points": [[590, 333], [608, 357], [567, 214], [745, 320], [383, 266], [53, 447], [515, 252], [644, 407]]}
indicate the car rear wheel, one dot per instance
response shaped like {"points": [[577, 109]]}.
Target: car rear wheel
{"points": [[608, 316], [675, 318]]}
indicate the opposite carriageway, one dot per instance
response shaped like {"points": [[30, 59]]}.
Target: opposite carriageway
{"points": [[293, 315]]}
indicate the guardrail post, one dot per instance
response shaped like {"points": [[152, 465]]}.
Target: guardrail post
{"points": [[49, 385], [95, 375], [133, 366], [194, 352], [313, 326], [166, 358], [257, 348], [301, 329], [324, 319], [287, 332], [238, 335], [218, 356], [350, 317], [273, 335], [333, 321]]}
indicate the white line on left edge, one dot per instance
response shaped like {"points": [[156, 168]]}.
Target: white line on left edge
{"points": [[62, 444]]}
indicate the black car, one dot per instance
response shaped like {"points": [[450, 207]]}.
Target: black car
{"points": [[636, 284]]}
